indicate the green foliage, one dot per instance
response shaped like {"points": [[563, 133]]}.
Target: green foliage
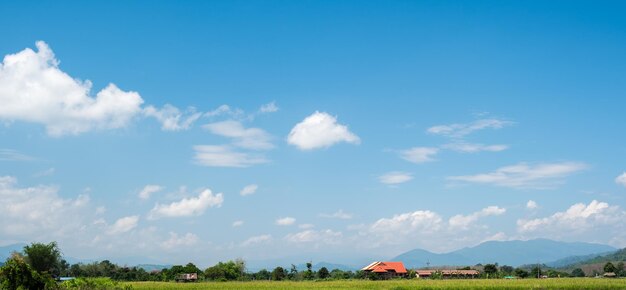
{"points": [[609, 267], [44, 258], [308, 274], [94, 284], [536, 272], [279, 274], [507, 270], [229, 271], [323, 273], [17, 274], [490, 270], [619, 270], [578, 272], [521, 273]]}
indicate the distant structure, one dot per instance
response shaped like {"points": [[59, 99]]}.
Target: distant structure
{"points": [[386, 270], [447, 273], [187, 277]]}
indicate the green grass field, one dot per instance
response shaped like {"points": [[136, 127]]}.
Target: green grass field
{"points": [[565, 283]]}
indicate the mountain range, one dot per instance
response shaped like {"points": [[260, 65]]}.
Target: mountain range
{"points": [[513, 253]]}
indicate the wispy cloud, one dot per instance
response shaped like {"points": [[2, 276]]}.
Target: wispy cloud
{"points": [[474, 147], [123, 225], [248, 138], [148, 190], [225, 156], [522, 175], [340, 214], [261, 239], [249, 189], [175, 241], [466, 221], [419, 154], [14, 155], [286, 221], [172, 118], [395, 177], [621, 179], [462, 130]]}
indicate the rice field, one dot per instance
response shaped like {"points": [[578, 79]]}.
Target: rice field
{"points": [[562, 283]]}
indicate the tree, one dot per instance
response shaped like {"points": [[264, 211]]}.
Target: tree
{"points": [[44, 258], [279, 274], [17, 274], [578, 272], [490, 269], [508, 270], [308, 274], [620, 271], [263, 275], [609, 267], [519, 272], [323, 273], [535, 272], [293, 272]]}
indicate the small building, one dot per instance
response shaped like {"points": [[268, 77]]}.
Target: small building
{"points": [[447, 273], [386, 270], [187, 277], [609, 275]]}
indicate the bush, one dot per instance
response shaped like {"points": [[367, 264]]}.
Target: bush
{"points": [[16, 274], [94, 284]]}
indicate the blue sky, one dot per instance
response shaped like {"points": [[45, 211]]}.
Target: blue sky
{"points": [[298, 130]]}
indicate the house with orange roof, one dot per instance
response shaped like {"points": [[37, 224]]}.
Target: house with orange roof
{"points": [[386, 270]]}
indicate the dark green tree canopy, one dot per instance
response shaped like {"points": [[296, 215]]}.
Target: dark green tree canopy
{"points": [[44, 257]]}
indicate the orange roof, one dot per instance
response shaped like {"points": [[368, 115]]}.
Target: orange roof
{"points": [[384, 267]]}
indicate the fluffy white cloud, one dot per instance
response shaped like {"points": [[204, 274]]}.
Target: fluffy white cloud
{"points": [[286, 221], [249, 189], [249, 138], [261, 239], [621, 179], [419, 154], [225, 156], [578, 219], [462, 130], [320, 130], [467, 221], [187, 206], [123, 225], [421, 220], [33, 212], [175, 241], [313, 236], [395, 177], [268, 108], [524, 175], [340, 214], [531, 204], [148, 190], [237, 224], [171, 118], [474, 148], [34, 89]]}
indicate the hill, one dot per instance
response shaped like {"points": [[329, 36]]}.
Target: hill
{"points": [[6, 251], [512, 253], [616, 256]]}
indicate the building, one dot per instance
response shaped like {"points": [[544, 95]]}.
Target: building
{"points": [[187, 277], [386, 270], [447, 273]]}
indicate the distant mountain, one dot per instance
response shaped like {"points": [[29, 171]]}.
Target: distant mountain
{"points": [[512, 253], [6, 251], [615, 256], [567, 261], [329, 266]]}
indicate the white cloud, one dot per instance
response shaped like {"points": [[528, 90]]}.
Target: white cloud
{"points": [[286, 221], [249, 189], [47, 172], [320, 130], [34, 89], [578, 219], [225, 156], [421, 220], [171, 118], [175, 241], [14, 155], [32, 212], [531, 204], [268, 108], [313, 236], [419, 154], [474, 148], [340, 214], [523, 175], [249, 138], [467, 221], [621, 179], [462, 130], [256, 240], [123, 225], [224, 110], [306, 226], [395, 177], [148, 190], [237, 224], [188, 206]]}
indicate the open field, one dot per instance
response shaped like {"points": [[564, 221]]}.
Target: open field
{"points": [[569, 283]]}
